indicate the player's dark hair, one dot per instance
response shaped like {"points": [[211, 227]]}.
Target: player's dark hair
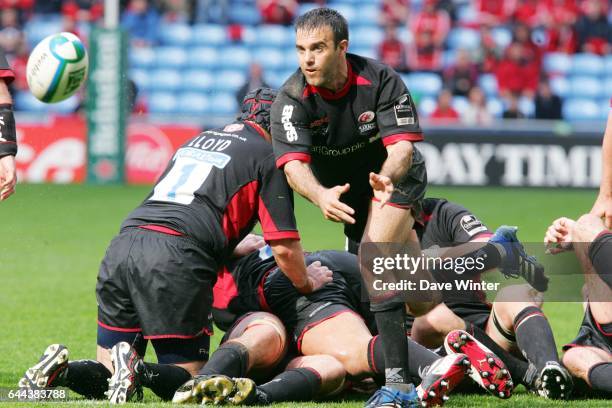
{"points": [[256, 107], [324, 17]]}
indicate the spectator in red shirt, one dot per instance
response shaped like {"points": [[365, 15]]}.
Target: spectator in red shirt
{"points": [[515, 73], [594, 32], [277, 11], [444, 112], [462, 75], [531, 52], [494, 12], [528, 12], [424, 55], [83, 10], [489, 52], [433, 21], [391, 50], [558, 17], [394, 12]]}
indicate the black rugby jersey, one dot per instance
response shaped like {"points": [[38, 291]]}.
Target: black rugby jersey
{"points": [[447, 224], [244, 286], [8, 144], [216, 187], [343, 135]]}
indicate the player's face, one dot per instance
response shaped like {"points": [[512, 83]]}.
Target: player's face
{"points": [[318, 56]]}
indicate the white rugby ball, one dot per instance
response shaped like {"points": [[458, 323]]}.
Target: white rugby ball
{"points": [[57, 67]]}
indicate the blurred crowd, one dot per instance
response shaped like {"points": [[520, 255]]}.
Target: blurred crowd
{"points": [[536, 27], [416, 39]]}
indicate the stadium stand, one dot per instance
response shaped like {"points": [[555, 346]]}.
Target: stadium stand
{"points": [[193, 65]]}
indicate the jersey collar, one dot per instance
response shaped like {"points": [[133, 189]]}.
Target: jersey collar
{"points": [[352, 79]]}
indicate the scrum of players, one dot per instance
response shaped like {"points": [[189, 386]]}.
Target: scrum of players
{"points": [[297, 324]]}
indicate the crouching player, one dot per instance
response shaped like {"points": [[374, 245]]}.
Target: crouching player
{"points": [[506, 327], [155, 282], [589, 356]]}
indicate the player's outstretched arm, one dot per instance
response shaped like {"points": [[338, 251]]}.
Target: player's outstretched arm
{"points": [[603, 204], [301, 179], [8, 143], [289, 257]]}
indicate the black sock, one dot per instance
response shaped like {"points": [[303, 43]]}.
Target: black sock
{"points": [[88, 378], [420, 358], [297, 384], [517, 367], [600, 377], [231, 359], [531, 324], [163, 379], [392, 333]]}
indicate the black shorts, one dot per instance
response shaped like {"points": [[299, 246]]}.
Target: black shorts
{"points": [[301, 313], [156, 283], [591, 334], [408, 194], [477, 313]]}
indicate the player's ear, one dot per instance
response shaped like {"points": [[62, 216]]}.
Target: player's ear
{"points": [[343, 46]]}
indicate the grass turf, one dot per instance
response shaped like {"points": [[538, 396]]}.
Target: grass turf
{"points": [[53, 238]]}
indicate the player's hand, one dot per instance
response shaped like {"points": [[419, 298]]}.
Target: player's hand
{"points": [[603, 209], [558, 236], [8, 177], [249, 244], [332, 208], [318, 276], [383, 188]]}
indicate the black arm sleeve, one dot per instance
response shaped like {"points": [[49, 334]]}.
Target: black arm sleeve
{"points": [[8, 139]]}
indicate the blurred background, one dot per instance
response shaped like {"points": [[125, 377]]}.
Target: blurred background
{"points": [[515, 91]]}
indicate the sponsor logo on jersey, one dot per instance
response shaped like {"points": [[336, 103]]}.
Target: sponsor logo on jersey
{"points": [[404, 114], [366, 117], [234, 127], [367, 127], [472, 225], [290, 131], [319, 122]]}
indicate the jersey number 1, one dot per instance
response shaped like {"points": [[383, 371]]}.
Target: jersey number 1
{"points": [[181, 182]]}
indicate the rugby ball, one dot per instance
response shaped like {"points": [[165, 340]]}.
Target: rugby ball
{"points": [[57, 67]]}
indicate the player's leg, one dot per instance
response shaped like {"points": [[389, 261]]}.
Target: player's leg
{"points": [[173, 299], [431, 329], [117, 322], [516, 320], [591, 364], [256, 342], [393, 224], [252, 347], [345, 337]]}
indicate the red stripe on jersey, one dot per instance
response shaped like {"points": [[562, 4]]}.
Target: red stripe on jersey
{"points": [[240, 210], [352, 79], [258, 129], [411, 137], [287, 157], [268, 226], [601, 328], [261, 294], [225, 290], [7, 75], [159, 228]]}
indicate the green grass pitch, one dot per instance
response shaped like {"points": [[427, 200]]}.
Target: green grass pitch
{"points": [[52, 239]]}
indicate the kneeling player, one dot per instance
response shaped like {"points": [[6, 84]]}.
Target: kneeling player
{"points": [[509, 325], [331, 322], [589, 356]]}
